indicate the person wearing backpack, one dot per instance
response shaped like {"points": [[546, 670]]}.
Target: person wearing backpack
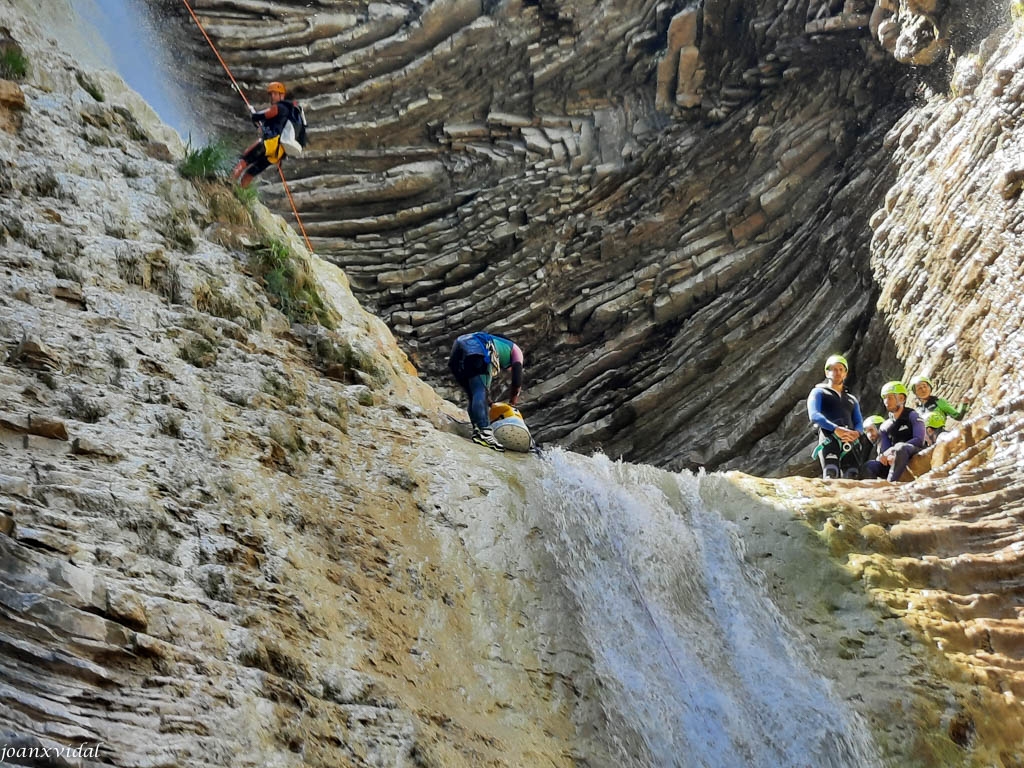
{"points": [[269, 149], [475, 359]]}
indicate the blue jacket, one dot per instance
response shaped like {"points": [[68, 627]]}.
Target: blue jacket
{"points": [[908, 428], [828, 409]]}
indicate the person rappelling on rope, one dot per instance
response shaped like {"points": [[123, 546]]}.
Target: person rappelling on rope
{"points": [[475, 360], [270, 148]]}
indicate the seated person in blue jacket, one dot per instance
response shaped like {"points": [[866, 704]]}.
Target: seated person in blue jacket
{"points": [[475, 360], [900, 437], [836, 414]]}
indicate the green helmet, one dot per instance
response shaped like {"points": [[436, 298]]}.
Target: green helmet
{"points": [[919, 379], [836, 359], [935, 420], [873, 421], [894, 388]]}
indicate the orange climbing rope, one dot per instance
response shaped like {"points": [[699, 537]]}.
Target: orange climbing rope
{"points": [[238, 88], [216, 52], [288, 192]]}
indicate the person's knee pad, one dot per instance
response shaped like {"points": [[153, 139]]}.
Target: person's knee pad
{"points": [[852, 473], [830, 472]]}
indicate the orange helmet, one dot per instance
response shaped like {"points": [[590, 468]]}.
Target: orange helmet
{"points": [[276, 87]]}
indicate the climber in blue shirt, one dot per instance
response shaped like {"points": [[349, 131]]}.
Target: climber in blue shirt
{"points": [[836, 414], [475, 360]]}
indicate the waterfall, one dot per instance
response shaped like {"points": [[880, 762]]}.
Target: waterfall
{"points": [[698, 667], [133, 46]]}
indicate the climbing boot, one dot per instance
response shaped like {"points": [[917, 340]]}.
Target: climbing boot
{"points": [[486, 437]]}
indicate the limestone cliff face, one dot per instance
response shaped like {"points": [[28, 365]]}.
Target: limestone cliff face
{"points": [[228, 538], [642, 194]]}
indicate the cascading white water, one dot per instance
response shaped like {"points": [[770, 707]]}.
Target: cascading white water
{"points": [[694, 658], [133, 46]]}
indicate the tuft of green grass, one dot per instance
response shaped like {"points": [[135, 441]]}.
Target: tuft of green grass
{"points": [[247, 196], [13, 64], [289, 284], [212, 161]]}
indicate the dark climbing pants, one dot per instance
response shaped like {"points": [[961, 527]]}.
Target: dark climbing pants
{"points": [[894, 471], [838, 459], [473, 375]]}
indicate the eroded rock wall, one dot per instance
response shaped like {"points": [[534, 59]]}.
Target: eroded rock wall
{"points": [[200, 498], [227, 539], [638, 193]]}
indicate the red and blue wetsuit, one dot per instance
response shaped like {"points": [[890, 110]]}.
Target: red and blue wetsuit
{"points": [[268, 149]]}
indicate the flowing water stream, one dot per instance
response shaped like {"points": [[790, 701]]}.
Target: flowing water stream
{"points": [[128, 40], [697, 664]]}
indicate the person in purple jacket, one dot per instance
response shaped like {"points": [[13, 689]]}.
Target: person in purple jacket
{"points": [[475, 360], [899, 438]]}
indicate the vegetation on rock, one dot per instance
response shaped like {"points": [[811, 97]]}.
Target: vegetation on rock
{"points": [[211, 161], [13, 64], [287, 279]]}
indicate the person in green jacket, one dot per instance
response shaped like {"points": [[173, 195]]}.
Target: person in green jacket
{"points": [[928, 403]]}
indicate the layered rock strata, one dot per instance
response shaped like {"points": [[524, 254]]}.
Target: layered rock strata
{"points": [[222, 539], [639, 194], [248, 537]]}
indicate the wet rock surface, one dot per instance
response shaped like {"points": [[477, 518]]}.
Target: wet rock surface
{"points": [[251, 538], [210, 553]]}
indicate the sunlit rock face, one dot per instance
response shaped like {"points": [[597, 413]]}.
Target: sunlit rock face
{"points": [[668, 207], [225, 537], [217, 528], [641, 195]]}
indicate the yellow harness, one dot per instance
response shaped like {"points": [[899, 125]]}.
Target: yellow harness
{"points": [[273, 149]]}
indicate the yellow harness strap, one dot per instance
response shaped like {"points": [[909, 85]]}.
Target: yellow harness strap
{"points": [[273, 148]]}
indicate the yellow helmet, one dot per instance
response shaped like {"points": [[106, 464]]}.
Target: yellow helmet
{"points": [[894, 388], [501, 411], [276, 87], [836, 359], [935, 420]]}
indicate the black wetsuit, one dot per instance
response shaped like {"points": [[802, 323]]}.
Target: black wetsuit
{"points": [[828, 410], [906, 434]]}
